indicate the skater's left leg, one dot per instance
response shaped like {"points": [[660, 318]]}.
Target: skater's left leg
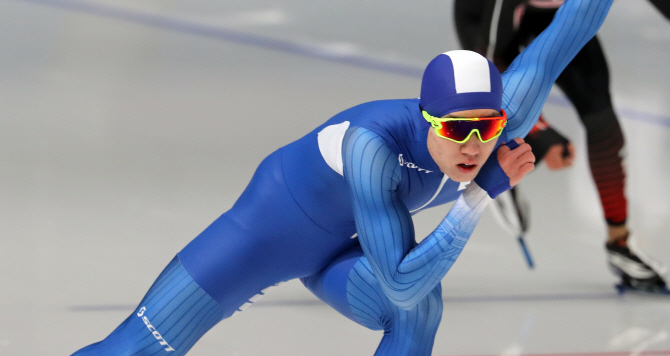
{"points": [[586, 82], [349, 286], [264, 239]]}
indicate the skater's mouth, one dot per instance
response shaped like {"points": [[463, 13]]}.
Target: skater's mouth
{"points": [[466, 168]]}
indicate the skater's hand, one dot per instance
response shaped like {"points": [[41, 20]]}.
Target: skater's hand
{"points": [[517, 162], [505, 167], [560, 156]]}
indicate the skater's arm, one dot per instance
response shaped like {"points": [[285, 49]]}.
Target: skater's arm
{"points": [[406, 271], [529, 78]]}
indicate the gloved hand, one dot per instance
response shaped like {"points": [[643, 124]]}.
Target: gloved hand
{"points": [[550, 145], [505, 167]]}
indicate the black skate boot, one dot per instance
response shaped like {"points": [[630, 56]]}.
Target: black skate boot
{"points": [[636, 274]]}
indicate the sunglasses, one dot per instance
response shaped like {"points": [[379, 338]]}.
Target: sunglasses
{"points": [[460, 129]]}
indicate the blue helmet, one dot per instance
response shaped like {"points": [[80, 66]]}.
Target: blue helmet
{"points": [[460, 80]]}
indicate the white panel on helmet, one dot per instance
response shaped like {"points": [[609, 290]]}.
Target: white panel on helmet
{"points": [[471, 72]]}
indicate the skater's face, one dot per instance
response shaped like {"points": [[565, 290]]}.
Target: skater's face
{"points": [[461, 161]]}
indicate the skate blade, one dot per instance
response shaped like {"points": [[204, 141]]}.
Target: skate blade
{"points": [[655, 291]]}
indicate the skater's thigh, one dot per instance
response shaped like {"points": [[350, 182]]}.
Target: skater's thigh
{"points": [[263, 240], [585, 81]]}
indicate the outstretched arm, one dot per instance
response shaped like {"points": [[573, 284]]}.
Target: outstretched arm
{"points": [[405, 270], [529, 78]]}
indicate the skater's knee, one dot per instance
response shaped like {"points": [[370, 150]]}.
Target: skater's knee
{"points": [[430, 308], [602, 125], [427, 313]]}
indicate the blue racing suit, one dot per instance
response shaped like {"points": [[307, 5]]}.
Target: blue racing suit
{"points": [[334, 208]]}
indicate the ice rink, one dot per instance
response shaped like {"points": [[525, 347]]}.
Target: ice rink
{"points": [[126, 127]]}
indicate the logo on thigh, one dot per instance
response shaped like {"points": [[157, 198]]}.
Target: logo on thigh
{"points": [[153, 330]]}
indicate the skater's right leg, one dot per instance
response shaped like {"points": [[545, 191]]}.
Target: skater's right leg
{"points": [[194, 293], [263, 240], [173, 315], [586, 82]]}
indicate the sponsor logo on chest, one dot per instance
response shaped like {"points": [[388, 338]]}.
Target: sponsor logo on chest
{"points": [[404, 163]]}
